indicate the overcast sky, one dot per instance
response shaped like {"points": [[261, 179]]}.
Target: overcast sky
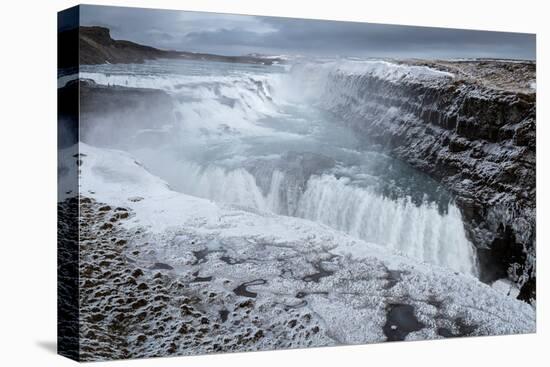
{"points": [[242, 34]]}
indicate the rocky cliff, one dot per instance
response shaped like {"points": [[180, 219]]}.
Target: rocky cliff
{"points": [[473, 129], [96, 46]]}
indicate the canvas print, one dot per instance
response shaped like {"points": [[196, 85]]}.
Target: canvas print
{"points": [[233, 183]]}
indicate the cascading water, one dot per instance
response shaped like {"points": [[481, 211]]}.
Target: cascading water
{"points": [[261, 137], [418, 231]]}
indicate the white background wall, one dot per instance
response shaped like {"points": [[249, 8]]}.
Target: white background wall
{"points": [[28, 180]]}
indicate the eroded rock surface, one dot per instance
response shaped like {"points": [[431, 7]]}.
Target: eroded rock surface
{"points": [[134, 307]]}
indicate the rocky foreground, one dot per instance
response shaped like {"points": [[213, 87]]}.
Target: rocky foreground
{"points": [[161, 273], [134, 307]]}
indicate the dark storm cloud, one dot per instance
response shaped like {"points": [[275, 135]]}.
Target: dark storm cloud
{"points": [[241, 34]]}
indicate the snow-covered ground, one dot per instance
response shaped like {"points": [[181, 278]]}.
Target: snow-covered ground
{"points": [[358, 291]]}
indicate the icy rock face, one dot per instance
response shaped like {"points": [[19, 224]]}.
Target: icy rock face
{"points": [[475, 134]]}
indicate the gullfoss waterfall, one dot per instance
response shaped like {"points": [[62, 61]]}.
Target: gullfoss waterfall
{"points": [[234, 183], [276, 139]]}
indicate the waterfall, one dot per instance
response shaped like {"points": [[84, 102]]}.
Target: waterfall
{"points": [[264, 140], [222, 185], [421, 232]]}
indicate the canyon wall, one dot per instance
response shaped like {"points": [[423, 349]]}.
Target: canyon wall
{"points": [[474, 131]]}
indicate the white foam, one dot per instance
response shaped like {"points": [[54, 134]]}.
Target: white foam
{"points": [[221, 105]]}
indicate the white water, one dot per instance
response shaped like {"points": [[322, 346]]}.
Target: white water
{"points": [[421, 232], [418, 231], [236, 125]]}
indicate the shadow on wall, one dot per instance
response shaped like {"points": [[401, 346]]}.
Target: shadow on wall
{"points": [[48, 345]]}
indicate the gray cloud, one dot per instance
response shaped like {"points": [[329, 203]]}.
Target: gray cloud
{"points": [[241, 34]]}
